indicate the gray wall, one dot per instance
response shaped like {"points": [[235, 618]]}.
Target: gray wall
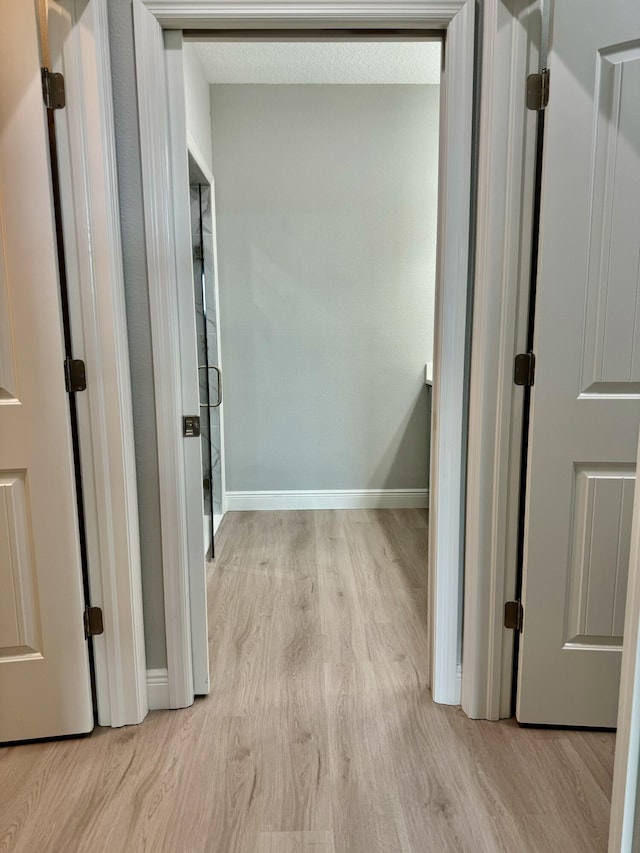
{"points": [[137, 299], [326, 202]]}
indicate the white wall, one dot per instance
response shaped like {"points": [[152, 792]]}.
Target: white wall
{"points": [[197, 105], [326, 210]]}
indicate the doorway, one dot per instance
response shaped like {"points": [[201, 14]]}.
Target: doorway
{"points": [[207, 316], [158, 115], [326, 163]]}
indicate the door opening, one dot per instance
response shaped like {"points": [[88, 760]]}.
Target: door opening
{"points": [[327, 343]]}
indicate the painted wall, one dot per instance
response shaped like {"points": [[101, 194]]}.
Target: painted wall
{"points": [[139, 326], [326, 202], [197, 105]]}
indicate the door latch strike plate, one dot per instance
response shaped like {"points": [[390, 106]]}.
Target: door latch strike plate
{"points": [[191, 426]]}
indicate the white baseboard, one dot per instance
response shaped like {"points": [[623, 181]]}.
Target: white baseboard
{"points": [[340, 499], [158, 689]]}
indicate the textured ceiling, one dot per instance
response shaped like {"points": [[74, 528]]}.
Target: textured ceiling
{"points": [[319, 62]]}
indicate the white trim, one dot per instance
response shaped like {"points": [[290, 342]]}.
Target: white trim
{"points": [[163, 305], [446, 522], [453, 265], [86, 148], [626, 772], [505, 204], [327, 499], [190, 382], [158, 689], [203, 13]]}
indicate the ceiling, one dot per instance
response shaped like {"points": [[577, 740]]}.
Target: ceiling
{"points": [[319, 61]]}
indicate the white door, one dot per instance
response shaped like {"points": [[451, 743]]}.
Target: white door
{"points": [[586, 397], [45, 685]]}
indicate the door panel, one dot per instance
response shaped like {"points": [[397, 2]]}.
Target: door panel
{"points": [[586, 398], [44, 671]]}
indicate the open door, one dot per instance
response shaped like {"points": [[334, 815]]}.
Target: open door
{"points": [[586, 397], [44, 670]]}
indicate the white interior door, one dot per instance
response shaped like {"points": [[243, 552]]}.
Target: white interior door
{"points": [[586, 397], [44, 670]]}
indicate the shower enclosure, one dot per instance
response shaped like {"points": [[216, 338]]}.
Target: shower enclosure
{"points": [[210, 376]]}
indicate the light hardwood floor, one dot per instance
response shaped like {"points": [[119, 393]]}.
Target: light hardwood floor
{"points": [[319, 734]]}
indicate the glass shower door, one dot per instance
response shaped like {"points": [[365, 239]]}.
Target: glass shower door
{"points": [[210, 380]]}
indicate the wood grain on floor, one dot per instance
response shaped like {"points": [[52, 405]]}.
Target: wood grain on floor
{"points": [[319, 735]]}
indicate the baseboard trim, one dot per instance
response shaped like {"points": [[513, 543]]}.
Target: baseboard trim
{"points": [[158, 689], [340, 499]]}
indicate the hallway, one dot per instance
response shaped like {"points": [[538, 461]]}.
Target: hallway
{"points": [[319, 733]]}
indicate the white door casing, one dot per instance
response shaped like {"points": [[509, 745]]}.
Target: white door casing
{"points": [[157, 186], [44, 667], [78, 48], [586, 397], [192, 447]]}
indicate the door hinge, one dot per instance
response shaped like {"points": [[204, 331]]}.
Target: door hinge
{"points": [[198, 254], [538, 90], [53, 90], [524, 369], [191, 426], [513, 615], [75, 376], [93, 624]]}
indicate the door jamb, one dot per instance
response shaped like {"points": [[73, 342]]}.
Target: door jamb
{"points": [[185, 320], [86, 144], [506, 141]]}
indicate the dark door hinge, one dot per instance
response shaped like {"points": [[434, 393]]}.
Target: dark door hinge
{"points": [[53, 90], [191, 426], [93, 624], [524, 369], [75, 375], [198, 254], [538, 90], [513, 615]]}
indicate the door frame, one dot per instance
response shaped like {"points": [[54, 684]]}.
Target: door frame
{"points": [[452, 329], [91, 219], [506, 144], [504, 42]]}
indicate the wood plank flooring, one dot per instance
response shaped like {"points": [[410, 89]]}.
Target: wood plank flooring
{"points": [[319, 735]]}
